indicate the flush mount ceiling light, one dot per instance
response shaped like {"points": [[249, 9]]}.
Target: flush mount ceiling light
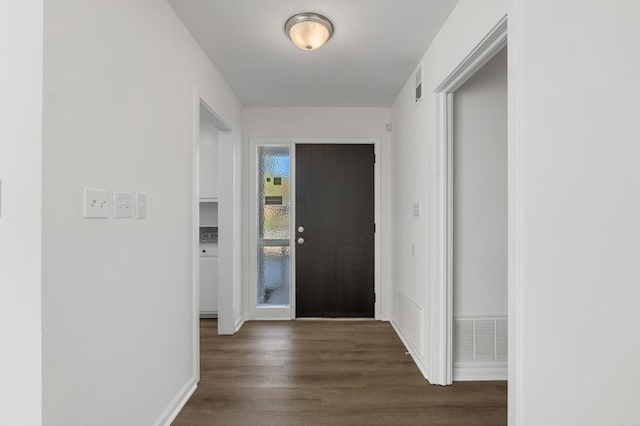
{"points": [[309, 31]]}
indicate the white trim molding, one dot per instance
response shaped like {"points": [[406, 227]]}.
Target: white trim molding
{"points": [[177, 403], [225, 295], [240, 322], [514, 212], [442, 219], [479, 372], [411, 350], [195, 237]]}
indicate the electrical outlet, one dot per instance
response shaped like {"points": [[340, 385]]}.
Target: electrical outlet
{"points": [[122, 204], [96, 203]]}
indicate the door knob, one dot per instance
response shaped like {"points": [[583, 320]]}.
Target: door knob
{"points": [[300, 240]]}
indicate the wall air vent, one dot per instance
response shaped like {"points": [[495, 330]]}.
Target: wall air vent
{"points": [[480, 340], [418, 91], [410, 321]]}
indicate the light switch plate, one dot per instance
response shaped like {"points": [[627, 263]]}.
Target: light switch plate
{"points": [[97, 203], [122, 204], [141, 205], [417, 209]]}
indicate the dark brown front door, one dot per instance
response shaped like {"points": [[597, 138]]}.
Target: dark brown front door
{"points": [[335, 217]]}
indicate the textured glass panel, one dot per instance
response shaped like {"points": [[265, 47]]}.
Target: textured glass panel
{"points": [[273, 276], [274, 203], [274, 209]]}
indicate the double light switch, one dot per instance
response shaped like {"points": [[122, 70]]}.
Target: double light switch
{"points": [[97, 203]]}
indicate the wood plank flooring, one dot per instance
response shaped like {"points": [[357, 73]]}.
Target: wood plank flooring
{"points": [[327, 373]]}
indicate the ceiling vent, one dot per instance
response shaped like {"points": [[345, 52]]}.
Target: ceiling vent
{"points": [[418, 85]]}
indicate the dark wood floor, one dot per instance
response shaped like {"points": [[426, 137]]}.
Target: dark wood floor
{"points": [[327, 373]]}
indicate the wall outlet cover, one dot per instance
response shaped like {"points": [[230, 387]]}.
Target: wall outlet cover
{"points": [[122, 204]]}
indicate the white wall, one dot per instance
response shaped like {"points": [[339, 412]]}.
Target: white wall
{"points": [[480, 192], [208, 159], [20, 215], [412, 164], [575, 149], [328, 123], [117, 294]]}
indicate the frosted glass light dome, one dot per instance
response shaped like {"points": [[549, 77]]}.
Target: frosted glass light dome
{"points": [[309, 31]]}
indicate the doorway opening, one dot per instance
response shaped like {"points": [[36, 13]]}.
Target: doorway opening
{"points": [[212, 203], [442, 312], [480, 224], [208, 199]]}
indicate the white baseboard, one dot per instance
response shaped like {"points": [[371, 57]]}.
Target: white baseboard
{"points": [[240, 322], [417, 359], [177, 403], [272, 319], [479, 373], [339, 319]]}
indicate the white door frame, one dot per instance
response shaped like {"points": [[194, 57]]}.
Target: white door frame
{"points": [[442, 218], [225, 296], [290, 313]]}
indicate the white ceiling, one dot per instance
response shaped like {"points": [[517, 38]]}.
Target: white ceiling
{"points": [[374, 50]]}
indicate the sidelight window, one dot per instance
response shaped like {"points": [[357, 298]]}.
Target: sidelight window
{"points": [[274, 219]]}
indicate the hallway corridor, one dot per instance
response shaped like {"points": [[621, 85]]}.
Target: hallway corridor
{"points": [[327, 373]]}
